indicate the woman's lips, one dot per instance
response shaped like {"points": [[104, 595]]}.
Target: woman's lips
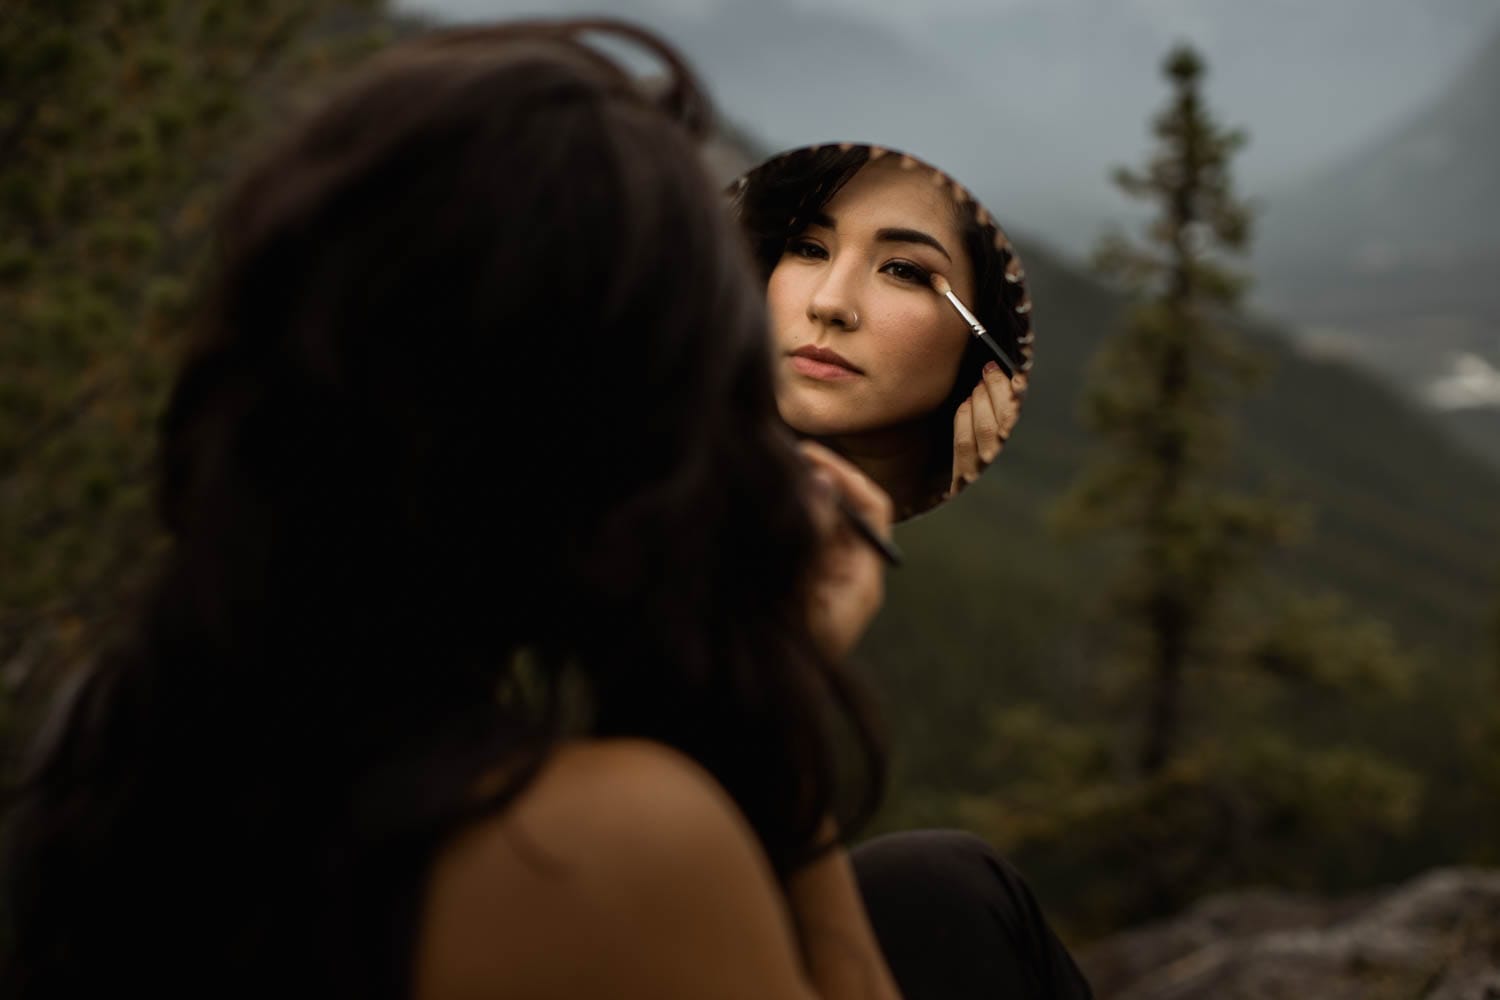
{"points": [[821, 370], [825, 365]]}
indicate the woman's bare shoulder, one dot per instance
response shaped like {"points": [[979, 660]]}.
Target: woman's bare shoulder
{"points": [[623, 870]]}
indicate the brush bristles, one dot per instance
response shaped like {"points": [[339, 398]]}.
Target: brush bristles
{"points": [[940, 284]]}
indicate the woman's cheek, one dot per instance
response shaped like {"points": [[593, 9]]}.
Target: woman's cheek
{"points": [[928, 343], [781, 294]]}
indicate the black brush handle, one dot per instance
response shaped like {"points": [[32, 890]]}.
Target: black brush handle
{"points": [[885, 547], [1005, 361]]}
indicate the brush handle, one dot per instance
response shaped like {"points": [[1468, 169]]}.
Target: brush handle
{"points": [[885, 547], [1005, 362], [1005, 359]]}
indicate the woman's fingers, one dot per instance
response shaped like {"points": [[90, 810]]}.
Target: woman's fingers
{"points": [[858, 490], [965, 447], [1005, 398], [987, 434], [983, 423], [1018, 383], [848, 583]]}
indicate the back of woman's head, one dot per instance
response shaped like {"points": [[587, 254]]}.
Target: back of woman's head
{"points": [[479, 407]]}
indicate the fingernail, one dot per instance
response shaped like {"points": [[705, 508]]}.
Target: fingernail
{"points": [[991, 368]]}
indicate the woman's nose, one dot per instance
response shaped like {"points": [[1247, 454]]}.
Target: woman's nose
{"points": [[833, 301]]}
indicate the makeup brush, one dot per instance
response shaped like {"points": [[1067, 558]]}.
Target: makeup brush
{"points": [[865, 530], [941, 286], [862, 527]]}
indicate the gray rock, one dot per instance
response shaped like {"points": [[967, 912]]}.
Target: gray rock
{"points": [[1436, 937]]}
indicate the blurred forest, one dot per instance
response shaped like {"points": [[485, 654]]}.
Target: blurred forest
{"points": [[118, 121], [1335, 720]]}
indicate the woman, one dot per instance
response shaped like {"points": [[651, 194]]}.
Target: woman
{"points": [[873, 361], [499, 651]]}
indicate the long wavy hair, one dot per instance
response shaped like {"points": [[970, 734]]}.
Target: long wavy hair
{"points": [[475, 450], [777, 200]]}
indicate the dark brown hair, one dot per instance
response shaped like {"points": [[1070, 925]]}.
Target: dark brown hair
{"points": [[475, 450], [779, 199]]}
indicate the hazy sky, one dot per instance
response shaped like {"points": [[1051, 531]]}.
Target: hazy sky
{"points": [[1032, 101]]}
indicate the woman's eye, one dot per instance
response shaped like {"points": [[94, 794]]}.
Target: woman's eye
{"points": [[806, 249], [904, 271]]}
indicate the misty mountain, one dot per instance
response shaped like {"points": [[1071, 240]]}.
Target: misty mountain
{"points": [[1348, 70], [1390, 255], [1415, 197]]}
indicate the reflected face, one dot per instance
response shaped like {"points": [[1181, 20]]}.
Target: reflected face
{"points": [[863, 342]]}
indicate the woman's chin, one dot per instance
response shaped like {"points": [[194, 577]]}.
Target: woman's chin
{"points": [[820, 423], [824, 421]]}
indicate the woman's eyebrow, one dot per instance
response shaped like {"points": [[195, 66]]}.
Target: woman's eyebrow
{"points": [[898, 235], [893, 234]]}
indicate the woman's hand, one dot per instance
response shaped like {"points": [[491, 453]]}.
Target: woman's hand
{"points": [[848, 582], [983, 423]]}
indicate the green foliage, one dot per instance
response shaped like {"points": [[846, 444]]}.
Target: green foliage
{"points": [[117, 121], [1319, 642], [1258, 809], [1483, 743]]}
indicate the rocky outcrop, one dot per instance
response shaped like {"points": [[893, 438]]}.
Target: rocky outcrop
{"points": [[1436, 937]]}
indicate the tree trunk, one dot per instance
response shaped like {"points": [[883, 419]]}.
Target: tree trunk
{"points": [[1164, 711]]}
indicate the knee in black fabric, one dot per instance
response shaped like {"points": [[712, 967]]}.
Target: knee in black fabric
{"points": [[955, 919]]}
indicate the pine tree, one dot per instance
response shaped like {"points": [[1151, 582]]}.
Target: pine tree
{"points": [[1206, 646], [1158, 398]]}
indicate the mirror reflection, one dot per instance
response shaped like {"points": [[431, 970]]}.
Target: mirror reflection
{"points": [[899, 312]]}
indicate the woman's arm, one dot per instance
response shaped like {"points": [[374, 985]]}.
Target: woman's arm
{"points": [[838, 943]]}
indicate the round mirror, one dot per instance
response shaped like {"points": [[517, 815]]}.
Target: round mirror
{"points": [[900, 320]]}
